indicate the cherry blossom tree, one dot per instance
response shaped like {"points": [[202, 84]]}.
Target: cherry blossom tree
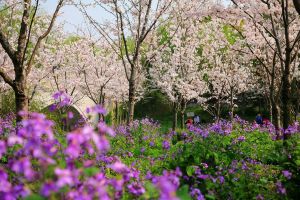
{"points": [[23, 47], [227, 70], [278, 23], [131, 24], [175, 67], [84, 67], [103, 74]]}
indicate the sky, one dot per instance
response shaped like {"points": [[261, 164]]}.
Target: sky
{"points": [[72, 17]]}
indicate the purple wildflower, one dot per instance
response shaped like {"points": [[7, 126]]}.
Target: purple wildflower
{"points": [[119, 167], [287, 174], [136, 188], [166, 145], [196, 194], [280, 188], [2, 148]]}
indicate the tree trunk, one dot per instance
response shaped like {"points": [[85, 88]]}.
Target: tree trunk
{"points": [[21, 105], [271, 112], [286, 96], [183, 107], [297, 5], [21, 96], [231, 104], [132, 91], [116, 113], [174, 126], [218, 110], [276, 115]]}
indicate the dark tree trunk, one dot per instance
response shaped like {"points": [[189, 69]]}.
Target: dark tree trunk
{"points": [[231, 104], [18, 57], [21, 105], [174, 126], [297, 5], [286, 94], [21, 95], [131, 100], [183, 108], [218, 109]]}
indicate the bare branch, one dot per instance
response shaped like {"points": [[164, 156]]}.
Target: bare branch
{"points": [[30, 28], [23, 32], [45, 34], [8, 48]]}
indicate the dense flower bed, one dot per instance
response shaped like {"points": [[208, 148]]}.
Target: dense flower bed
{"points": [[224, 160]]}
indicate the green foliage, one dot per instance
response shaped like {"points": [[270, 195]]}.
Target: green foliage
{"points": [[34, 197], [230, 34], [72, 39], [7, 103], [183, 193], [91, 171]]}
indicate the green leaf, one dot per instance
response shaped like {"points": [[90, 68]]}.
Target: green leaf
{"points": [[209, 196], [34, 197], [91, 171], [151, 191], [190, 170], [263, 180], [183, 193], [297, 162]]}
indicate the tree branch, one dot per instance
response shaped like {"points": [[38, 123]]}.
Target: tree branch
{"points": [[23, 32], [37, 45], [30, 28], [6, 78], [8, 48]]}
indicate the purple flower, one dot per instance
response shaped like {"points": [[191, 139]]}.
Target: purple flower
{"points": [[167, 188], [196, 194], [5, 185], [99, 110], [65, 177], [85, 139], [221, 179], [2, 148], [142, 150], [287, 174], [70, 115], [48, 188], [136, 188], [62, 98], [23, 166], [57, 95], [103, 128], [130, 154], [241, 138], [20, 191], [52, 107], [280, 188], [205, 165], [149, 175], [166, 145], [119, 167], [151, 144]]}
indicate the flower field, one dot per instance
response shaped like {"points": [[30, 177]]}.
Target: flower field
{"points": [[149, 99], [223, 160]]}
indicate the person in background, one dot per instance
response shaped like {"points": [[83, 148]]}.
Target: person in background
{"points": [[189, 122], [196, 120], [259, 119], [266, 121]]}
